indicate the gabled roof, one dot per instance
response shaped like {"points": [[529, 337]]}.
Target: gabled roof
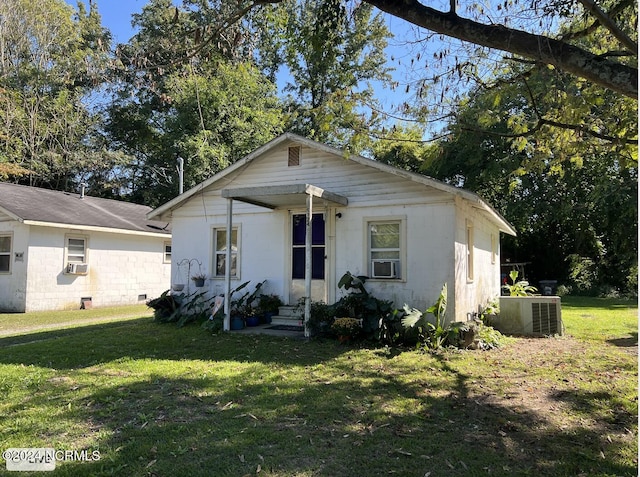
{"points": [[503, 225], [35, 206]]}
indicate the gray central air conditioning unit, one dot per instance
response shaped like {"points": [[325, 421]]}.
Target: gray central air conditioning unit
{"points": [[384, 269], [77, 268], [529, 315]]}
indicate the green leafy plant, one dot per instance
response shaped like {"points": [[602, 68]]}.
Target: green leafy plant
{"points": [[519, 287], [433, 335], [165, 308], [244, 305], [240, 306], [269, 303], [195, 307], [489, 311], [215, 323], [359, 303], [321, 319], [488, 337]]}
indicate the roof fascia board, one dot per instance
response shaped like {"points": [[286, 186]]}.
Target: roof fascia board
{"points": [[225, 172], [428, 181], [412, 176], [93, 228], [11, 214], [504, 226]]}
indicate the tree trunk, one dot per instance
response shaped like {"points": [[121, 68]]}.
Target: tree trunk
{"points": [[566, 57]]}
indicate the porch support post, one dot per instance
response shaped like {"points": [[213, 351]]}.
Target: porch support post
{"points": [[307, 267], [227, 268]]}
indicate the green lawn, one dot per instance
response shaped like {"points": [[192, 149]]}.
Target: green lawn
{"points": [[24, 323], [157, 400]]}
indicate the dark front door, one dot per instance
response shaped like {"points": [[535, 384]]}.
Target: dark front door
{"points": [[298, 255]]}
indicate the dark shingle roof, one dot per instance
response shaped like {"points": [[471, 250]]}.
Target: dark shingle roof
{"points": [[44, 205]]}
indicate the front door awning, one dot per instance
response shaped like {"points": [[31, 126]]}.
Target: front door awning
{"points": [[274, 197], [278, 196]]}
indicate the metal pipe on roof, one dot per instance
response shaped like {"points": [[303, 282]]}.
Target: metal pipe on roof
{"points": [[180, 175]]}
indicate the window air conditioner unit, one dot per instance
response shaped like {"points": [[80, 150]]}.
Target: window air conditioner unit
{"points": [[530, 315], [384, 269], [77, 268]]}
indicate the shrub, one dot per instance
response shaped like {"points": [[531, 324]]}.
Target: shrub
{"points": [[520, 287], [321, 319], [269, 303], [466, 335], [432, 335], [346, 327], [360, 304], [165, 308]]}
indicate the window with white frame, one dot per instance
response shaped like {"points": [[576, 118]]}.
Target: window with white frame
{"points": [[5, 253], [76, 249], [220, 251], [385, 249], [167, 252], [470, 248]]}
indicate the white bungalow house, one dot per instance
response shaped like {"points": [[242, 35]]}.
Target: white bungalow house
{"points": [[408, 233], [66, 251]]}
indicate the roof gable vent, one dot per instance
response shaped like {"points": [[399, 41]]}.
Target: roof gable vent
{"points": [[294, 156]]}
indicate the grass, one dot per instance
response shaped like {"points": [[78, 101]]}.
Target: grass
{"points": [[157, 400], [24, 323]]}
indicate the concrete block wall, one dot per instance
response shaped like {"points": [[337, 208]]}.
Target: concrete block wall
{"points": [[124, 269]]}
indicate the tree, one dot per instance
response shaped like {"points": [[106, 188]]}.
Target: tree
{"points": [[184, 92], [562, 52], [598, 67], [50, 59], [333, 55], [221, 115], [403, 148], [530, 30], [572, 200]]}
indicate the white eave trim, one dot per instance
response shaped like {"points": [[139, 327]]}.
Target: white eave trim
{"points": [[93, 228], [412, 176], [11, 214]]}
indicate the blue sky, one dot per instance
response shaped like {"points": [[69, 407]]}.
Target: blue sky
{"points": [[116, 16]]}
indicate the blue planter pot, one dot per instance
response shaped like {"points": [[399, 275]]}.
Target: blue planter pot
{"points": [[237, 323], [266, 318], [252, 320]]}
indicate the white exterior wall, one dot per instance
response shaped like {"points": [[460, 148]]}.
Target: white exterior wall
{"points": [[427, 255], [13, 285], [122, 269], [473, 294], [262, 247], [435, 238]]}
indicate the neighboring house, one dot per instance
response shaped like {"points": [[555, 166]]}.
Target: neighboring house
{"points": [[409, 233], [61, 251]]}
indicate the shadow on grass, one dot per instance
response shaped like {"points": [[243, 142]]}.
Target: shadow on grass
{"points": [[95, 344], [57, 333], [594, 302], [528, 443], [312, 409], [352, 424], [626, 342]]}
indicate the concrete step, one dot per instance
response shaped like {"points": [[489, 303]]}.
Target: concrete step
{"points": [[288, 315], [280, 320], [288, 310]]}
